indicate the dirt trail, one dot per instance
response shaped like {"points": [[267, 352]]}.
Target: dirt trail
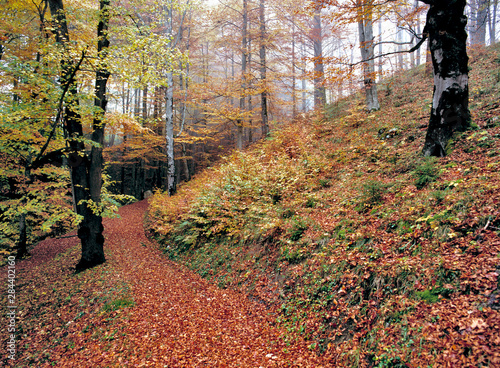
{"points": [[179, 319]]}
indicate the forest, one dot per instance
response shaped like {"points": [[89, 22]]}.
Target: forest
{"points": [[250, 183]]}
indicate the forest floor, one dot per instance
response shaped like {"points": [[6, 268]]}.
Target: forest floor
{"points": [[137, 310]]}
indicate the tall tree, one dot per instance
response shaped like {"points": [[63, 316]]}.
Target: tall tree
{"points": [[492, 20], [319, 69], [86, 168], [93, 253], [479, 12], [263, 68], [244, 60], [367, 46], [418, 29], [169, 93], [445, 29]]}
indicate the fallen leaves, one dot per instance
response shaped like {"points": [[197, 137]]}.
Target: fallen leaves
{"points": [[176, 319]]}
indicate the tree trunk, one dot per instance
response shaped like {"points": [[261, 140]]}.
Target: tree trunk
{"points": [[244, 55], [169, 134], [85, 171], [249, 85], [144, 105], [380, 49], [187, 174], [493, 22], [417, 57], [480, 10], [263, 71], [428, 60], [93, 249], [169, 105], [22, 244], [445, 25], [319, 71], [294, 92], [399, 40], [303, 82], [365, 28]]}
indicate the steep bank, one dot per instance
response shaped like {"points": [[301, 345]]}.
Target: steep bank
{"points": [[376, 255]]}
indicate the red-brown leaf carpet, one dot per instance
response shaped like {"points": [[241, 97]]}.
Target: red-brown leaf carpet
{"points": [[178, 319]]}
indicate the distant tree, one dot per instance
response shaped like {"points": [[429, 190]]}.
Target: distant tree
{"points": [[445, 29], [263, 68], [361, 13], [492, 20], [244, 62], [319, 69], [367, 46], [479, 21]]}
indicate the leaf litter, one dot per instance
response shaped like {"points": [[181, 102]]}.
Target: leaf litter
{"points": [[139, 309]]}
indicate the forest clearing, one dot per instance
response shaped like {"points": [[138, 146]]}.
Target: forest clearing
{"points": [[250, 184]]}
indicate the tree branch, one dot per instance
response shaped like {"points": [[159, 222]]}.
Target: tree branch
{"points": [[378, 56], [67, 86], [417, 46]]}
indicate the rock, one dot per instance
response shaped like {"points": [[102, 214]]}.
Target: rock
{"points": [[148, 194], [393, 132]]}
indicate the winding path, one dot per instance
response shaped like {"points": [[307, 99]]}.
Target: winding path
{"points": [[181, 320]]}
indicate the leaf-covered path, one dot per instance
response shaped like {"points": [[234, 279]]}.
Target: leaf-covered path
{"points": [[179, 319]]}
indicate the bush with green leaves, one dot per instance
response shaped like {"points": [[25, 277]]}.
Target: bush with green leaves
{"points": [[426, 173], [371, 194]]}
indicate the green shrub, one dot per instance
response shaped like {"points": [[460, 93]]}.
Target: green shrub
{"points": [[311, 202], [385, 361], [325, 183], [373, 191], [118, 304], [293, 256], [298, 229], [426, 173], [439, 196], [430, 296], [288, 213]]}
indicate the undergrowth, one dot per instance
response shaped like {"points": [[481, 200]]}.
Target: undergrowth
{"points": [[378, 256]]}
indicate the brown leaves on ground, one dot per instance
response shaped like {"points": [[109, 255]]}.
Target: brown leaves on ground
{"points": [[137, 310]]}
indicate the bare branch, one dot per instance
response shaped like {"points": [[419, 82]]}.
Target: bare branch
{"points": [[376, 57], [417, 46], [392, 43]]}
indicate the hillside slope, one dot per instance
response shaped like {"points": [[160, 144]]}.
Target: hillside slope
{"points": [[378, 256]]}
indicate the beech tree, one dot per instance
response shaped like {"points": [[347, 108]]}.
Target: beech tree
{"points": [[478, 21], [319, 70], [263, 68], [169, 96], [86, 168], [446, 30], [367, 46], [244, 62], [361, 13], [151, 57], [492, 20]]}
